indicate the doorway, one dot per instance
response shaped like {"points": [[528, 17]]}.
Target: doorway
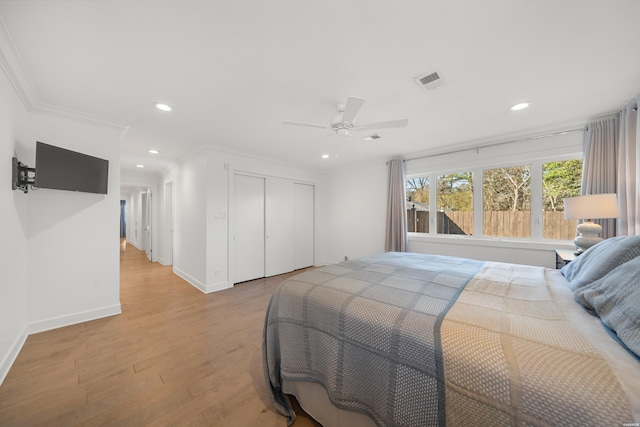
{"points": [[123, 219], [169, 209], [147, 207]]}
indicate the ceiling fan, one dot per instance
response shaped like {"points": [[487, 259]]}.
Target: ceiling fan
{"points": [[344, 122]]}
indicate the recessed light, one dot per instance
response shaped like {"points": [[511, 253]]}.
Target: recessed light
{"points": [[154, 152], [520, 106], [139, 166], [325, 156], [163, 107]]}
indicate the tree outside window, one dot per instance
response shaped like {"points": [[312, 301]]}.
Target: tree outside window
{"points": [[559, 180], [454, 196], [506, 201]]}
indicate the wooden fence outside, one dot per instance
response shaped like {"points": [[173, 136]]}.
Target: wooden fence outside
{"points": [[496, 223]]}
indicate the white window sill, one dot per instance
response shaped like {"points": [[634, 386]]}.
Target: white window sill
{"points": [[494, 242]]}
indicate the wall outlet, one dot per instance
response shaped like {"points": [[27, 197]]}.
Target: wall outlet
{"points": [[216, 272]]}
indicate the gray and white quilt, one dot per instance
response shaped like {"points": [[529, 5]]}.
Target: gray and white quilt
{"points": [[422, 340]]}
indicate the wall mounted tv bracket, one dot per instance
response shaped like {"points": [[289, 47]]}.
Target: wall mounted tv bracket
{"points": [[20, 179]]}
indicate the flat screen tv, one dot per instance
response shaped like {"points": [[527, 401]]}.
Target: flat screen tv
{"points": [[61, 169]]}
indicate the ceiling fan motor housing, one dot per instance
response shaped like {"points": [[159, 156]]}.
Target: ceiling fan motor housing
{"points": [[337, 122]]}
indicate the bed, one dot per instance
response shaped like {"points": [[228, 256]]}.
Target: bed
{"points": [[404, 339]]}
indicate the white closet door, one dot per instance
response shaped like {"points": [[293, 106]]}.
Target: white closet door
{"points": [[279, 226], [303, 224], [249, 227]]}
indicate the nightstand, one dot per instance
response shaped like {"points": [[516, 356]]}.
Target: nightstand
{"points": [[564, 257]]}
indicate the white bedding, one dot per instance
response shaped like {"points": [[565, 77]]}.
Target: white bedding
{"points": [[624, 365]]}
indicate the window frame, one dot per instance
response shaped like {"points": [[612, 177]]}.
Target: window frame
{"points": [[536, 200]]}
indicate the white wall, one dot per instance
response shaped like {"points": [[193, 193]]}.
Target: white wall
{"points": [[516, 252], [512, 154], [13, 229], [60, 258], [356, 211], [202, 223], [73, 238], [189, 256], [356, 205]]}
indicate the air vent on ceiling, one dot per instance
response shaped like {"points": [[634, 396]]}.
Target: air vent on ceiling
{"points": [[429, 80], [371, 137]]}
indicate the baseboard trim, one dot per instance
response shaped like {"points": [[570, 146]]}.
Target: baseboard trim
{"points": [[220, 286], [48, 324], [12, 354], [74, 318], [191, 280], [205, 289]]}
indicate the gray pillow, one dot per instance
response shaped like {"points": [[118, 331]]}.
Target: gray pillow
{"points": [[600, 259], [615, 298]]}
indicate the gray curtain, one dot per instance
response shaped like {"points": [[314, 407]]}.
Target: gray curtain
{"points": [[396, 236], [628, 170], [599, 169]]}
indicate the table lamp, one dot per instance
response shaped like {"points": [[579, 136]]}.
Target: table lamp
{"points": [[587, 208]]}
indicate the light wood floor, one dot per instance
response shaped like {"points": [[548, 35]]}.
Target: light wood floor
{"points": [[173, 357]]}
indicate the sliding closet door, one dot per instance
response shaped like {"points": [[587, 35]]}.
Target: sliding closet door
{"points": [[249, 227], [303, 225], [279, 243]]}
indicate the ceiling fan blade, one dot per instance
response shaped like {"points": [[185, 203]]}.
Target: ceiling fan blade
{"points": [[383, 125], [308, 125], [351, 108]]}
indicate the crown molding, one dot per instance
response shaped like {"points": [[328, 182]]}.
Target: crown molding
{"points": [[78, 115], [14, 69], [16, 72]]}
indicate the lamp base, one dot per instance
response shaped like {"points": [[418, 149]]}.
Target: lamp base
{"points": [[588, 234]]}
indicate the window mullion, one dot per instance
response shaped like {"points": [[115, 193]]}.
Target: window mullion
{"points": [[477, 203], [433, 212], [536, 200]]}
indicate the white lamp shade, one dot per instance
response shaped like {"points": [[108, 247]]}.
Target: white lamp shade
{"points": [[593, 206]]}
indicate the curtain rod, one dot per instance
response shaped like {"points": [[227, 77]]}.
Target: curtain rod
{"points": [[495, 144]]}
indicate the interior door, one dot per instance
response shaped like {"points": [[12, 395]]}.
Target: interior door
{"points": [[143, 220], [279, 226], [303, 225], [169, 222], [249, 227], [147, 224]]}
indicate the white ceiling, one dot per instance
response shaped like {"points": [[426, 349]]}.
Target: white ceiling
{"points": [[234, 70]]}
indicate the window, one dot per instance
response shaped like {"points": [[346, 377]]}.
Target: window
{"points": [[454, 196], [521, 202], [418, 205], [559, 180], [506, 202]]}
